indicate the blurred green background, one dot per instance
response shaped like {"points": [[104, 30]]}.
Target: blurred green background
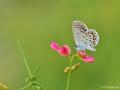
{"points": [[38, 22]]}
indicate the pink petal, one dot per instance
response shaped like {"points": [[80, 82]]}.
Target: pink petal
{"points": [[55, 46], [81, 53], [85, 57], [64, 51], [88, 59], [68, 50]]}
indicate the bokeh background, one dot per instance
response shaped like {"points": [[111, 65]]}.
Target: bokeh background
{"points": [[38, 22]]}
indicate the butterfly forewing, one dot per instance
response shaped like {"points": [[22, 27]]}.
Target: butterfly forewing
{"points": [[79, 30]]}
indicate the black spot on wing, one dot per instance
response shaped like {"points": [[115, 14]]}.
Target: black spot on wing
{"points": [[80, 26]]}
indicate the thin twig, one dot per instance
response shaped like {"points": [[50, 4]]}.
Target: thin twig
{"points": [[25, 60], [26, 64], [26, 86]]}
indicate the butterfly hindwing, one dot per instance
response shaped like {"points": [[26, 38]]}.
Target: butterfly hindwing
{"points": [[95, 37]]}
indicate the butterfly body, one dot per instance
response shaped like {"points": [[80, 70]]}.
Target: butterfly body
{"points": [[85, 39]]}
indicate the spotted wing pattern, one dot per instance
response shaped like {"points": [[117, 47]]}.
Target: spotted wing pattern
{"points": [[84, 38]]}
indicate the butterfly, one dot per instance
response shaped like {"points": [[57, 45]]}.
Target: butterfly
{"points": [[85, 38]]}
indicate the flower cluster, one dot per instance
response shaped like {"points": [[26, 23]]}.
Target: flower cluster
{"points": [[65, 51]]}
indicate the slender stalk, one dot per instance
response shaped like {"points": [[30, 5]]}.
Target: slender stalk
{"points": [[25, 60], [26, 64], [26, 86], [69, 73], [37, 69], [32, 87]]}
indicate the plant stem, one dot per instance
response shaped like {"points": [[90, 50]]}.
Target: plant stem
{"points": [[25, 60], [69, 73], [26, 86]]}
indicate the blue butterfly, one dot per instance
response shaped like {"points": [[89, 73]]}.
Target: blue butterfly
{"points": [[85, 39]]}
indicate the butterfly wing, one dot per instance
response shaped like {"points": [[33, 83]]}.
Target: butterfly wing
{"points": [[95, 37], [79, 32], [92, 39]]}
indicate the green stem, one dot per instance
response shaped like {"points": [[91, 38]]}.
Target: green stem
{"points": [[26, 64], [25, 60], [69, 73], [26, 86]]}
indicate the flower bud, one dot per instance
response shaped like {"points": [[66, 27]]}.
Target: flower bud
{"points": [[67, 69]]}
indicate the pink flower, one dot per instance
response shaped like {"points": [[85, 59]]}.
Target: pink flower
{"points": [[55, 46], [62, 50], [85, 57]]}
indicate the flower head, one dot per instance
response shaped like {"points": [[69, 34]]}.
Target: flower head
{"points": [[85, 57], [62, 50]]}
